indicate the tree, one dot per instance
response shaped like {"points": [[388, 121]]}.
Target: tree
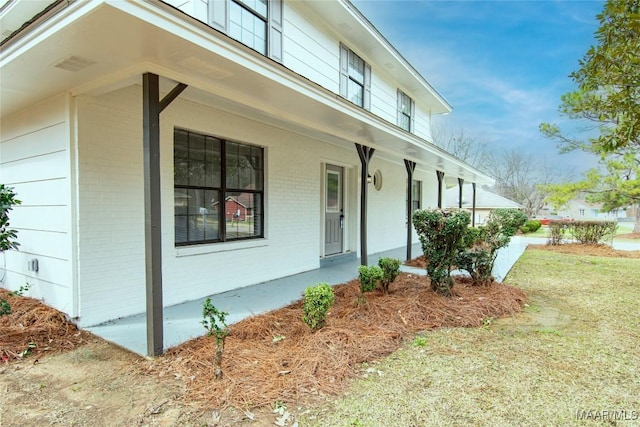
{"points": [[607, 96], [467, 148], [618, 187], [518, 177]]}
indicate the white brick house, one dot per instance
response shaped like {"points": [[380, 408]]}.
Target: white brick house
{"points": [[124, 123]]}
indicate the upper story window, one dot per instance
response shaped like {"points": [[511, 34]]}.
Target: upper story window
{"points": [[248, 23], [255, 23], [406, 112], [218, 189], [355, 78]]}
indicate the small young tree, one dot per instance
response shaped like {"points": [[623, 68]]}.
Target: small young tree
{"points": [[441, 233], [214, 323], [390, 270]]}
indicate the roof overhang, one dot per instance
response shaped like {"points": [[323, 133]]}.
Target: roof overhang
{"points": [[93, 47]]}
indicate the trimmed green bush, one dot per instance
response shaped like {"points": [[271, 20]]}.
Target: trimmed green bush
{"points": [[317, 301], [531, 226], [481, 248], [510, 218], [441, 233], [592, 232], [369, 277], [390, 270]]}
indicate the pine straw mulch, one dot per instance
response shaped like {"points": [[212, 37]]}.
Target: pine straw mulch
{"points": [[582, 249], [34, 328], [276, 357]]}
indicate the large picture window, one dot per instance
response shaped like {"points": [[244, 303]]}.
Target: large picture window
{"points": [[218, 189]]}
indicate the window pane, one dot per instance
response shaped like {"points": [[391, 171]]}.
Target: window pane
{"points": [[247, 27], [213, 163], [355, 92], [405, 122], [244, 167], [243, 215], [356, 67], [333, 192], [210, 215], [181, 202]]}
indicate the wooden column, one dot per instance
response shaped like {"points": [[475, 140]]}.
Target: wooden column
{"points": [[365, 153], [152, 106], [460, 185], [411, 167], [440, 178]]}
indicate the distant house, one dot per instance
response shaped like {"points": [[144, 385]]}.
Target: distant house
{"points": [[123, 122], [485, 201], [580, 209]]}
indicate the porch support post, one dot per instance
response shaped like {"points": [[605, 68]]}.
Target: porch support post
{"points": [[411, 167], [151, 108], [460, 184], [440, 178], [473, 206], [365, 153]]}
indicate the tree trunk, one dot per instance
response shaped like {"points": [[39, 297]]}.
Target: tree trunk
{"points": [[636, 226], [218, 360]]}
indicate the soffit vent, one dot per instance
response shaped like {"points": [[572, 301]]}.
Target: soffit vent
{"points": [[73, 63]]}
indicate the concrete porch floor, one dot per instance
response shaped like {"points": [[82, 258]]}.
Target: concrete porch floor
{"points": [[182, 321]]}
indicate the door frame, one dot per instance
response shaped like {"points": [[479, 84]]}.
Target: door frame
{"points": [[346, 171]]}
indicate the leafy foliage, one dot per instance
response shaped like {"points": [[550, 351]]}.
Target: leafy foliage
{"points": [[390, 270], [531, 226], [317, 301], [557, 231], [509, 220], [592, 232], [608, 95], [7, 202], [441, 233], [214, 323], [369, 277], [481, 245]]}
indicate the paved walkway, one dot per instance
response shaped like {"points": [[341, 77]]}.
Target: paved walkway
{"points": [[182, 321]]}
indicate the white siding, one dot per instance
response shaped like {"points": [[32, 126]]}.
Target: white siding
{"points": [[310, 51], [35, 159]]}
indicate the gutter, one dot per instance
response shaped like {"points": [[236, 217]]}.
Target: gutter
{"points": [[33, 22]]}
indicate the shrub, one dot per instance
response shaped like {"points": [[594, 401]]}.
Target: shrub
{"points": [[7, 202], [214, 322], [556, 232], [390, 270], [441, 233], [592, 232], [510, 218], [481, 247], [531, 226], [317, 301], [369, 277]]}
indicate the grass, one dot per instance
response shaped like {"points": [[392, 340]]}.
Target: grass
{"points": [[573, 349]]}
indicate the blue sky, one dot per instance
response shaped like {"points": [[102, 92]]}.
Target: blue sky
{"points": [[503, 65]]}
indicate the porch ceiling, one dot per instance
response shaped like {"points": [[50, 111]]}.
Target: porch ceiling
{"points": [[114, 42]]}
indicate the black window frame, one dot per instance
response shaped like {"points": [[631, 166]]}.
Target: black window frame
{"points": [[406, 116], [225, 191]]}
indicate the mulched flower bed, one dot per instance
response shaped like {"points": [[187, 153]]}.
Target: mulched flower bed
{"points": [[276, 357]]}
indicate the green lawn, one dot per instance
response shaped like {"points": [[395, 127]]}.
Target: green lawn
{"points": [[574, 349]]}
